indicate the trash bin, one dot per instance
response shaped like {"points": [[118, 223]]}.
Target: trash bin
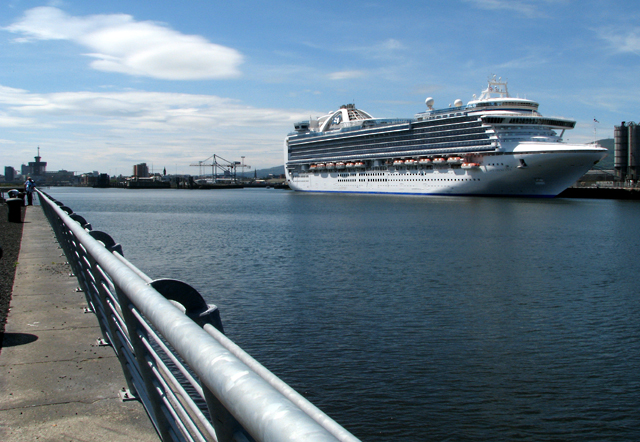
{"points": [[15, 212], [13, 193]]}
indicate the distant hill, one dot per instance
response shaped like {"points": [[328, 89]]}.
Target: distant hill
{"points": [[607, 163], [264, 173]]}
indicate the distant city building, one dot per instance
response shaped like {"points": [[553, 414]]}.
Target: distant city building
{"points": [[627, 151], [9, 174], [103, 181], [35, 168], [87, 179], [141, 170], [61, 178]]}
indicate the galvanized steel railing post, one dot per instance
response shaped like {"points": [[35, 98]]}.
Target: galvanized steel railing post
{"points": [[117, 330], [72, 249], [227, 428], [152, 395]]}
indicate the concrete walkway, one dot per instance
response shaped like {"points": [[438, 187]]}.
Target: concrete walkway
{"points": [[56, 384]]}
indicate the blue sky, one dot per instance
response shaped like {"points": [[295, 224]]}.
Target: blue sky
{"points": [[105, 85]]}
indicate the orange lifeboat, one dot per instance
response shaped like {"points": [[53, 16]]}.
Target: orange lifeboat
{"points": [[439, 161], [398, 162], [340, 165], [410, 162], [350, 165], [359, 164], [424, 161], [312, 167], [330, 165], [320, 166], [454, 160], [470, 165]]}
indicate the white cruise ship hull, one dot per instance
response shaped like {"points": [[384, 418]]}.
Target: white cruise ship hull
{"points": [[494, 145], [529, 170]]}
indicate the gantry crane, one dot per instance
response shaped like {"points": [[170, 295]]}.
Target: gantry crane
{"points": [[226, 166]]}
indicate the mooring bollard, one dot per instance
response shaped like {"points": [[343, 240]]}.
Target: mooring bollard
{"points": [[14, 212]]}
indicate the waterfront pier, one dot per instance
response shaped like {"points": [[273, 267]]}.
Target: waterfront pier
{"points": [[57, 383]]}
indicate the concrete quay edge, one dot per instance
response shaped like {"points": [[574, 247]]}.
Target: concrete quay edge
{"points": [[56, 383]]}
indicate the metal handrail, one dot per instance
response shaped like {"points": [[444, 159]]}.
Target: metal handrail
{"points": [[167, 340]]}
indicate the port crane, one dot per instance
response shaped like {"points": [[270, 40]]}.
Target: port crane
{"points": [[227, 168]]}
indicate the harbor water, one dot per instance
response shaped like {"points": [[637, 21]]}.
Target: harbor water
{"points": [[412, 318]]}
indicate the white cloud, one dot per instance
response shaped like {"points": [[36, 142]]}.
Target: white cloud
{"points": [[622, 41], [121, 44], [527, 8], [91, 130], [8, 121], [388, 49], [346, 75], [138, 109], [531, 61]]}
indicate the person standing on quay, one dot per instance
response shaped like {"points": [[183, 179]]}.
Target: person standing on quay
{"points": [[29, 186]]}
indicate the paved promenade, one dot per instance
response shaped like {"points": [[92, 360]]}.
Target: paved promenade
{"points": [[56, 384]]}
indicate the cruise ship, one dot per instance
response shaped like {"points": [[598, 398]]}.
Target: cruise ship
{"points": [[494, 145]]}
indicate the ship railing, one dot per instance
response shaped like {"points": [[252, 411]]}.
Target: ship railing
{"points": [[372, 124], [194, 382], [468, 147]]}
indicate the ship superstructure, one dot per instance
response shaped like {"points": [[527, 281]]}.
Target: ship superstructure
{"points": [[494, 145]]}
